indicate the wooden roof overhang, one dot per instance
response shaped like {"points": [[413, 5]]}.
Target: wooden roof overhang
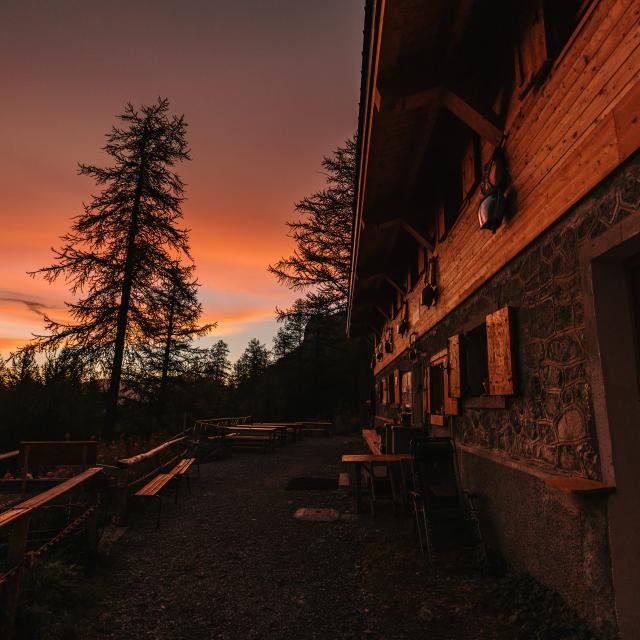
{"points": [[411, 74]]}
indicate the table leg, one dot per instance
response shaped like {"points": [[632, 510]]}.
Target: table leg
{"points": [[392, 483], [403, 483], [372, 490]]}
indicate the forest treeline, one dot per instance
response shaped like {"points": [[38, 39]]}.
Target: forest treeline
{"points": [[128, 361], [54, 397]]}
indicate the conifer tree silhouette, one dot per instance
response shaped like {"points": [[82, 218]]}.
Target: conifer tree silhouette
{"points": [[124, 243]]}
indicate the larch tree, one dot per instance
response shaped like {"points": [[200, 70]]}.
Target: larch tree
{"points": [[217, 365], [290, 335], [321, 262], [176, 311], [127, 238], [251, 364]]}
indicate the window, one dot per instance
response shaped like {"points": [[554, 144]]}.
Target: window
{"points": [[436, 388], [407, 400], [396, 387], [531, 49], [545, 29], [475, 362], [391, 387], [561, 20], [422, 262], [471, 167], [439, 402]]}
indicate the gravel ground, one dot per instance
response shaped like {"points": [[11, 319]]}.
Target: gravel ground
{"points": [[231, 562]]}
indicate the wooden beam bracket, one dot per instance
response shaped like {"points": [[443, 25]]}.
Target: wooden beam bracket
{"points": [[400, 223], [475, 120], [422, 240]]}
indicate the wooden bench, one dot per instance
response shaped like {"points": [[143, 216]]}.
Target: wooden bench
{"points": [[246, 436], [139, 470], [155, 485]]}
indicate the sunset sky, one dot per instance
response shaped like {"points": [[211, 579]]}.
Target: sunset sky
{"points": [[267, 87]]}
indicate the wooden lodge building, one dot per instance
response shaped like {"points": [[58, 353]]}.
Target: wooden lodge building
{"points": [[496, 263]]}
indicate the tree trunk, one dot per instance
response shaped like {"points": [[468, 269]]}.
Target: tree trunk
{"points": [[166, 357], [125, 299]]}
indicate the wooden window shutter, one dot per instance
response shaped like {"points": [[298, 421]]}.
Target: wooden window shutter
{"points": [[455, 385], [385, 395], [426, 398], [450, 404], [532, 51], [396, 387], [471, 168], [500, 356]]}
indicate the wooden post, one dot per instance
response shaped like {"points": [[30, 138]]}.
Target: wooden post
{"points": [[92, 530], [15, 558]]}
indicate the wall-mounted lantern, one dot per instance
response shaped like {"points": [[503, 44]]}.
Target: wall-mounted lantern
{"points": [[430, 289], [492, 208], [388, 342]]}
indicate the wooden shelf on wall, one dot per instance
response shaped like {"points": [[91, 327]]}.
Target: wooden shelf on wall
{"points": [[579, 486], [570, 485]]}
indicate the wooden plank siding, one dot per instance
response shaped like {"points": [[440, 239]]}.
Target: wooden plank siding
{"points": [[561, 141]]}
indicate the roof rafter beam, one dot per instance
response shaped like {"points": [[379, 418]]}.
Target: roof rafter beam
{"points": [[473, 118], [386, 278], [401, 223]]}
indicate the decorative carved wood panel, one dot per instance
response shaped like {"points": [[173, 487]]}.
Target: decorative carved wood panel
{"points": [[500, 353], [455, 385]]}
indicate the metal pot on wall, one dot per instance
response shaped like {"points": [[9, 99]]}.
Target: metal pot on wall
{"points": [[491, 210], [429, 295]]}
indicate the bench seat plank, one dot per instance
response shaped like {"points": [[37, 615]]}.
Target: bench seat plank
{"points": [[155, 485]]}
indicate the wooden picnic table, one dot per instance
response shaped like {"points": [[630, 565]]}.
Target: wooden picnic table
{"points": [[295, 428], [315, 426], [250, 435], [280, 430], [366, 462]]}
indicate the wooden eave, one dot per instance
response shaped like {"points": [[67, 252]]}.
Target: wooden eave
{"points": [[409, 45]]}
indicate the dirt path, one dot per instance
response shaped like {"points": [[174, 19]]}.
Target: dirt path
{"points": [[230, 562]]}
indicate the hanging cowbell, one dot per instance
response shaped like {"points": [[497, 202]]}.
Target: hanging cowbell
{"points": [[491, 211], [492, 208], [388, 343], [430, 290]]}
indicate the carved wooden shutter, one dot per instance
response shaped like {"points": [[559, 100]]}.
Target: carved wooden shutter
{"points": [[500, 359], [531, 52], [385, 393], [455, 386], [396, 387], [450, 404]]}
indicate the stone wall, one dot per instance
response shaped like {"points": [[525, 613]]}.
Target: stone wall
{"points": [[549, 423]]}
